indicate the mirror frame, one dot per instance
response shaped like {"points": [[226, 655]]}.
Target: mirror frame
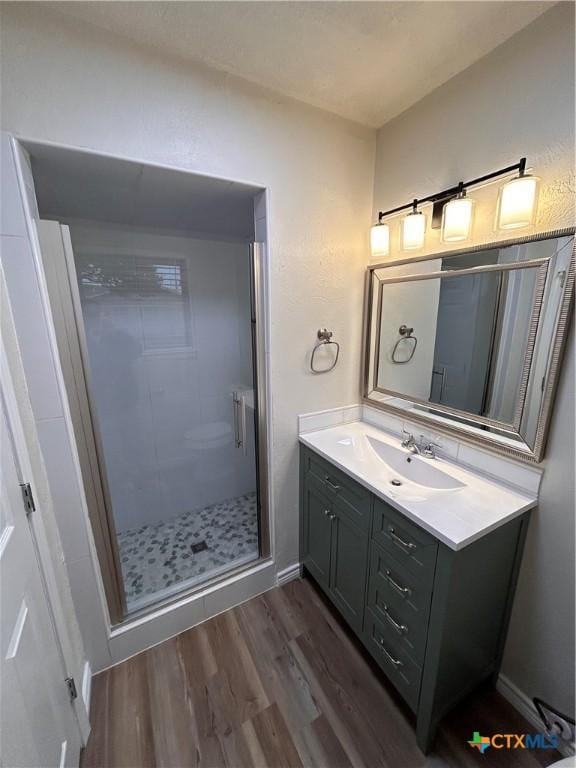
{"points": [[475, 434]]}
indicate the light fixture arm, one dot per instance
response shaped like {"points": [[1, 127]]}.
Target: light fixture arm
{"points": [[451, 192], [522, 166]]}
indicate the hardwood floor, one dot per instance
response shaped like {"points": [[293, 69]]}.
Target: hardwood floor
{"points": [[277, 682]]}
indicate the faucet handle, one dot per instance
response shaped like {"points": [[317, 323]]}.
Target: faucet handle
{"points": [[408, 440], [428, 446]]}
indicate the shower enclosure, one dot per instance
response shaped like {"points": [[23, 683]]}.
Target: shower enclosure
{"points": [[169, 362], [160, 340]]}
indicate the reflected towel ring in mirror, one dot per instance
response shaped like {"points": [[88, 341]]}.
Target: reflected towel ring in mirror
{"points": [[325, 340], [406, 337]]}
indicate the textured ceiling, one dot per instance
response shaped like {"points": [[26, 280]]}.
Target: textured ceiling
{"points": [[73, 185], [366, 61]]}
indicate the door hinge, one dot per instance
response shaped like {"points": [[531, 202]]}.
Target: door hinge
{"points": [[71, 685], [28, 497]]}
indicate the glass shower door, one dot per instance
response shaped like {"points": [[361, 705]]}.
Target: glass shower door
{"points": [[169, 366]]}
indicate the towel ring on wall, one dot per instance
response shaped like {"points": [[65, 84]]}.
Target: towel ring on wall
{"points": [[325, 339], [406, 336]]}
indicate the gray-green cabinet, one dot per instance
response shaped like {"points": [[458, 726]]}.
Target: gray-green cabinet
{"points": [[349, 555], [316, 535], [434, 619], [334, 535]]}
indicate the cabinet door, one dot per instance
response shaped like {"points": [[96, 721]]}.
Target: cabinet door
{"points": [[317, 528], [348, 568]]}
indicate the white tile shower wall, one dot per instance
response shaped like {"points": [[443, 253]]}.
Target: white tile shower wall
{"points": [[171, 434], [57, 454]]}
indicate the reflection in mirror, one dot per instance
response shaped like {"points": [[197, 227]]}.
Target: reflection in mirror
{"points": [[469, 338]]}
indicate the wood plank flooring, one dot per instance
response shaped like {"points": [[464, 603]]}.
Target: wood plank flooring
{"points": [[277, 682]]}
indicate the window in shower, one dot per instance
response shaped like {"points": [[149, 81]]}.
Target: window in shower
{"points": [[169, 366]]}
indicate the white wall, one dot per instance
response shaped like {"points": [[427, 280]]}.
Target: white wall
{"points": [[517, 101], [69, 83]]}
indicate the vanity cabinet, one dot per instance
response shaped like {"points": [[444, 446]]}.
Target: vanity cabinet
{"points": [[334, 531], [348, 558], [433, 618]]}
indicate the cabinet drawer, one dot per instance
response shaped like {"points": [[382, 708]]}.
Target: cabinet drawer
{"points": [[406, 542], [352, 497], [399, 599], [393, 659]]}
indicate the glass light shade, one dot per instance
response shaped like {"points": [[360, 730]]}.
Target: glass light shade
{"points": [[457, 219], [413, 229], [517, 202], [380, 240]]}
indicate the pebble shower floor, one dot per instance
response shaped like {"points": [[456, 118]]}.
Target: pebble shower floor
{"points": [[188, 548]]}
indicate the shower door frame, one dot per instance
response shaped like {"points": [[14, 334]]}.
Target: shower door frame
{"points": [[101, 512]]}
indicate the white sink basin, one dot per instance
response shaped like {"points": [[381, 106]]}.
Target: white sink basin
{"points": [[407, 466], [453, 503]]}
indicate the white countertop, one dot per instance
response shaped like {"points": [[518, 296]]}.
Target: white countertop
{"points": [[457, 517]]}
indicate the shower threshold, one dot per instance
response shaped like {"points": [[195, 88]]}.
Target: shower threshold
{"points": [[162, 559]]}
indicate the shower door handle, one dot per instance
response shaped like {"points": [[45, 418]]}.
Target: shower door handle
{"points": [[235, 404], [240, 422]]}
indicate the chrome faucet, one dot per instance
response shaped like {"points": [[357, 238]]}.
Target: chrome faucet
{"points": [[410, 442], [424, 447]]}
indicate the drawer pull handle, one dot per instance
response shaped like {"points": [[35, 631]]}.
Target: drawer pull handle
{"points": [[406, 591], [397, 540], [396, 662], [400, 628], [333, 486], [327, 512]]}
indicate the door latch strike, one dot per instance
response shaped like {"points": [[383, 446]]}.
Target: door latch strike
{"points": [[28, 498], [71, 685]]}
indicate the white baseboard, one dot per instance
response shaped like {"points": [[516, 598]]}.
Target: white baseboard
{"points": [[87, 685], [288, 574], [519, 701], [524, 705]]}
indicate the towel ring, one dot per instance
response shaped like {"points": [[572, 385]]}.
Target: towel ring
{"points": [[325, 339], [405, 335]]}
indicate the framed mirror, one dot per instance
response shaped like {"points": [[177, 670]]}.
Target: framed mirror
{"points": [[470, 342]]}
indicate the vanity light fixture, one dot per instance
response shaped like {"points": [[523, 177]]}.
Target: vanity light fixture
{"points": [[413, 229], [517, 203], [457, 217], [453, 211], [380, 239]]}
